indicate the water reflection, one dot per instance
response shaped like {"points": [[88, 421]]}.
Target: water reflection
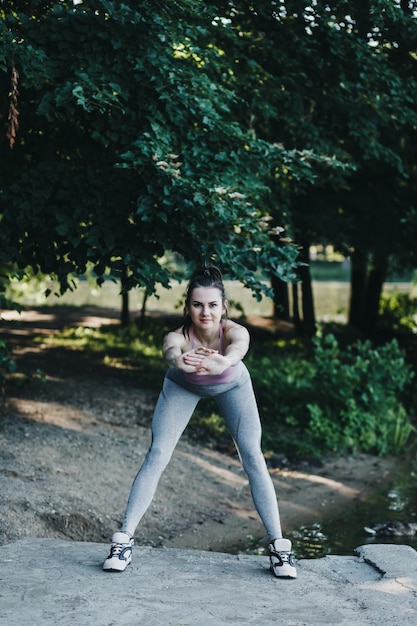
{"points": [[310, 542], [397, 502], [342, 534]]}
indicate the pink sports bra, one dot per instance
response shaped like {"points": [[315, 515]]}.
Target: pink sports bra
{"points": [[211, 379]]}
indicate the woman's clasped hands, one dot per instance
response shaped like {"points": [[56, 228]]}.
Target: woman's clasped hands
{"points": [[205, 361]]}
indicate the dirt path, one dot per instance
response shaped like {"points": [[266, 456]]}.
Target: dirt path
{"points": [[70, 448]]}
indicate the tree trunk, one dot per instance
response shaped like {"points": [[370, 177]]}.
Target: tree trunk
{"points": [[376, 279], [309, 318], [358, 288], [125, 313], [281, 301], [143, 309], [296, 310]]}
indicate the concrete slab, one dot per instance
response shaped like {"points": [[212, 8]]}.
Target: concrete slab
{"points": [[48, 582]]}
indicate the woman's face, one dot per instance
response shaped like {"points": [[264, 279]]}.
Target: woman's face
{"points": [[206, 307]]}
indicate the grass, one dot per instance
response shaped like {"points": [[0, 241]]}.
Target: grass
{"points": [[133, 350]]}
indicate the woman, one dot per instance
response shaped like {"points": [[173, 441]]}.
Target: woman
{"points": [[205, 360]]}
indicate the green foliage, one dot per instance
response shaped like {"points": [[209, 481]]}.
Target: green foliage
{"points": [[357, 404], [24, 287], [399, 312], [7, 363], [334, 399], [128, 146], [208, 426]]}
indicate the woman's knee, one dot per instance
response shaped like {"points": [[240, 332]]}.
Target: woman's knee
{"points": [[158, 456], [252, 461]]}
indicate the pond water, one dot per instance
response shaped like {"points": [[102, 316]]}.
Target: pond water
{"points": [[343, 533]]}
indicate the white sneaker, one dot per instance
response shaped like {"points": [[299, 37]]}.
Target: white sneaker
{"points": [[281, 559], [120, 553]]}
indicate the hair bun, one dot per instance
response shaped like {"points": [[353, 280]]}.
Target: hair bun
{"points": [[212, 271]]}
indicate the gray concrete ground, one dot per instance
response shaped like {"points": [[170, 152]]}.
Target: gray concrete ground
{"points": [[48, 582]]}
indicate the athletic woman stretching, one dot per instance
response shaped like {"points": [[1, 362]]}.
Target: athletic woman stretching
{"points": [[205, 357]]}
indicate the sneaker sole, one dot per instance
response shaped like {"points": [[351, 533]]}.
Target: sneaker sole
{"points": [[288, 575], [115, 569]]}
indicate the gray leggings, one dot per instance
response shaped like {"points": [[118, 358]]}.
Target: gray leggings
{"points": [[173, 411]]}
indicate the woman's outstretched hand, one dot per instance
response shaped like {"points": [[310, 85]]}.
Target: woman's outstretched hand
{"points": [[206, 361], [198, 360]]}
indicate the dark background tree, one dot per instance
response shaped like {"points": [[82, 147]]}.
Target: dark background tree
{"points": [[337, 78]]}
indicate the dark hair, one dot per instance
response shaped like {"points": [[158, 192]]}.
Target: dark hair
{"points": [[206, 276]]}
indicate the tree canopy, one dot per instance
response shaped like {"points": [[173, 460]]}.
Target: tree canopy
{"points": [[202, 129], [127, 148]]}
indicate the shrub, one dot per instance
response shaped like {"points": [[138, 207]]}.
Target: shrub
{"points": [[336, 400], [359, 400], [398, 312]]}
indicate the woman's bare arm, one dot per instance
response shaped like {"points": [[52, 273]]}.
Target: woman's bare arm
{"points": [[172, 347], [173, 351], [238, 344]]}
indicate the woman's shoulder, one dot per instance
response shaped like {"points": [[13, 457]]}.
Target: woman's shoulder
{"points": [[232, 328], [175, 336]]}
